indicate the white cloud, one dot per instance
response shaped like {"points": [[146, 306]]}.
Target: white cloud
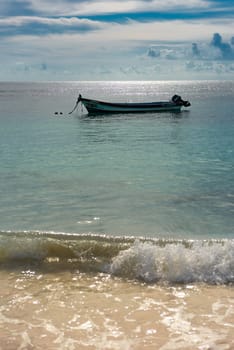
{"points": [[111, 50], [178, 30], [211, 67], [73, 22], [205, 52], [112, 6]]}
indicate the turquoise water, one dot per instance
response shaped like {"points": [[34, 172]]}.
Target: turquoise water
{"points": [[116, 232], [157, 175], [75, 186]]}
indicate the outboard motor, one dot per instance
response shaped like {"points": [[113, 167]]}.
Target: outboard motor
{"points": [[179, 102]]}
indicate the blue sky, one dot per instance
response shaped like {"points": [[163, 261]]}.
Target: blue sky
{"points": [[116, 40]]}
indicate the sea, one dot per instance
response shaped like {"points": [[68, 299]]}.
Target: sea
{"points": [[116, 231]]}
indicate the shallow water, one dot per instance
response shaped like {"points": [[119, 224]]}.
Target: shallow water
{"points": [[73, 310], [116, 232], [159, 174]]}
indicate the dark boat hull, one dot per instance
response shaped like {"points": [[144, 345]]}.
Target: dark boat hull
{"points": [[95, 107], [98, 107]]}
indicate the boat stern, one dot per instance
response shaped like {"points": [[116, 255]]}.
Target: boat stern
{"points": [[179, 101]]}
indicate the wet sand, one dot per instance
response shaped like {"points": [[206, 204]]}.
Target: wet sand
{"points": [[73, 310]]}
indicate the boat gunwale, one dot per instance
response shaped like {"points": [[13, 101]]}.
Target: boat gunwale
{"points": [[130, 104]]}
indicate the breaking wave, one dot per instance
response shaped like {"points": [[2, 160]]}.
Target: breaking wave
{"points": [[145, 259]]}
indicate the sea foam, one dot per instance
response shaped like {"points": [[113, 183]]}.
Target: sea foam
{"points": [[149, 260], [210, 262]]}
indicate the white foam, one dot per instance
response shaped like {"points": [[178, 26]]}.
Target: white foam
{"points": [[210, 262]]}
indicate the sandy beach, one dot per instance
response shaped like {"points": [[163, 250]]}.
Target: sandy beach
{"points": [[72, 310]]}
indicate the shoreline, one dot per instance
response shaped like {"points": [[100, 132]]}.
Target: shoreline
{"points": [[74, 310]]}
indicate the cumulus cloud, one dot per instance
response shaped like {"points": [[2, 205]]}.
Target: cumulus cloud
{"points": [[213, 58], [224, 48], [195, 50], [153, 52], [217, 49], [116, 46], [167, 52]]}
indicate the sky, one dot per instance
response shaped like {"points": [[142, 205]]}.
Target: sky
{"points": [[64, 40]]}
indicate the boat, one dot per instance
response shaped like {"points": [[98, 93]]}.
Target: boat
{"points": [[95, 107]]}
